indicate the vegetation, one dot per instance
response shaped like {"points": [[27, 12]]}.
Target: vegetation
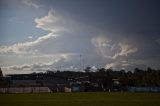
{"points": [[2, 80], [103, 77], [138, 77], [81, 99]]}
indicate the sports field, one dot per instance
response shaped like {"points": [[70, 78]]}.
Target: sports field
{"points": [[81, 99]]}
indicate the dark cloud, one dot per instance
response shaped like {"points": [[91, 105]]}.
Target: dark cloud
{"points": [[107, 33]]}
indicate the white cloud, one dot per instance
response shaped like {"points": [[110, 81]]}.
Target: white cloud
{"points": [[48, 23], [70, 68], [109, 49], [93, 68], [118, 65], [31, 3], [20, 67], [32, 55], [111, 65], [101, 41], [52, 22], [30, 37], [125, 64], [36, 67], [103, 45], [125, 50], [116, 53], [26, 47]]}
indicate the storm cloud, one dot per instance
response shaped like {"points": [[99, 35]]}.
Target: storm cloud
{"points": [[110, 34]]}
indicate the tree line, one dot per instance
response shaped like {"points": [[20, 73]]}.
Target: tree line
{"points": [[138, 77], [104, 77]]}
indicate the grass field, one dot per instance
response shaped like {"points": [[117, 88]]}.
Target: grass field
{"points": [[81, 99]]}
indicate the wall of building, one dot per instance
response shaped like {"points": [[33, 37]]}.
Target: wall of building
{"points": [[25, 90], [23, 82]]}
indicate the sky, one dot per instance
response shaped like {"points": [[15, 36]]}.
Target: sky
{"points": [[40, 35]]}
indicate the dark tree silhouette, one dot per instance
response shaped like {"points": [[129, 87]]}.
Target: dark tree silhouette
{"points": [[88, 69]]}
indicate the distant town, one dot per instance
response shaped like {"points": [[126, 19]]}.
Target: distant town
{"points": [[102, 80]]}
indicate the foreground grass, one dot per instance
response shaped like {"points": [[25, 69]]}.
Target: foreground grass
{"points": [[81, 99]]}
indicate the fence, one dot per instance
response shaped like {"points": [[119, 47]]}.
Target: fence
{"points": [[144, 89], [25, 90]]}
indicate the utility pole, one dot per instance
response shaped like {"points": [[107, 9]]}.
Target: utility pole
{"points": [[80, 57], [81, 62]]}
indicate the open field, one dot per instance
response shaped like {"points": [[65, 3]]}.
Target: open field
{"points": [[81, 99]]}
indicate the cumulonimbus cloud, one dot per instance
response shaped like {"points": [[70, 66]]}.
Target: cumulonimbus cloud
{"points": [[47, 23], [33, 48], [109, 49], [114, 52]]}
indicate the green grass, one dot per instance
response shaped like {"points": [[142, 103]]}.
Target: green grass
{"points": [[81, 99]]}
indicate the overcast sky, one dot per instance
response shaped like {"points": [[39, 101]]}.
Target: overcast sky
{"points": [[39, 35]]}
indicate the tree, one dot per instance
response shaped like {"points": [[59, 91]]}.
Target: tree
{"points": [[2, 80], [1, 74], [88, 69], [102, 70]]}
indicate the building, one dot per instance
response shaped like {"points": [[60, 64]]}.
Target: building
{"points": [[55, 83]]}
